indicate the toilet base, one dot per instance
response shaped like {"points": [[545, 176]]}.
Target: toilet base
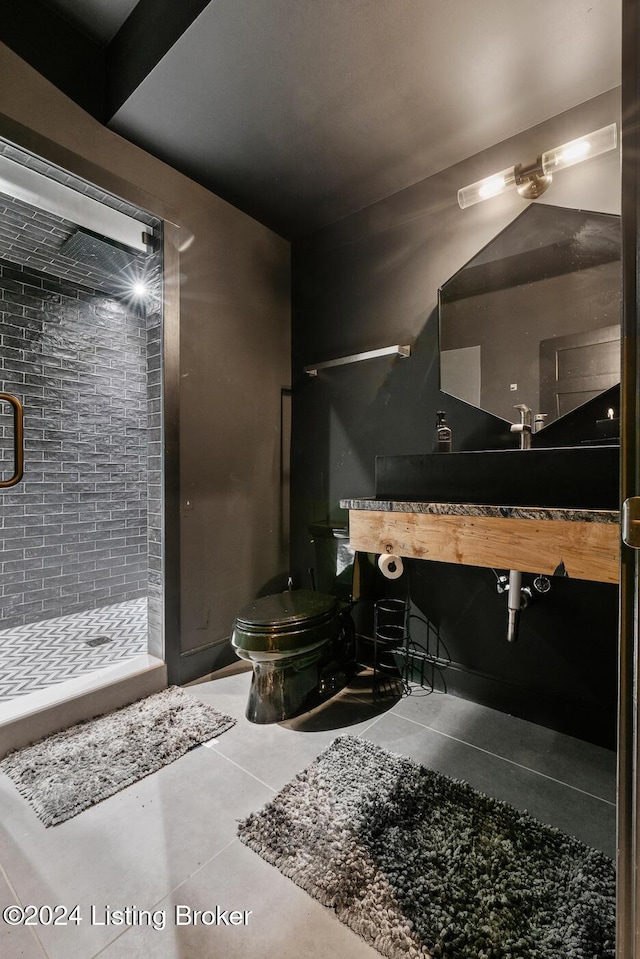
{"points": [[287, 687]]}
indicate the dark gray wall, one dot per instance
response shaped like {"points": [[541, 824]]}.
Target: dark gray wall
{"points": [[234, 363], [369, 281]]}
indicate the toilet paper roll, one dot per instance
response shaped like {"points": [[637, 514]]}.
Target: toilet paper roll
{"points": [[390, 565]]}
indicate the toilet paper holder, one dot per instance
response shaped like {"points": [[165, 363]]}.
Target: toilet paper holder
{"points": [[390, 565]]}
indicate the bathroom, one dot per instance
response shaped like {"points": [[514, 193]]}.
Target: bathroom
{"points": [[368, 280]]}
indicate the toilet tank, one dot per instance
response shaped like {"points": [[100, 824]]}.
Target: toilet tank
{"points": [[334, 559]]}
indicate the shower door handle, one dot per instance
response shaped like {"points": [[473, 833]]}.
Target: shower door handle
{"points": [[18, 440]]}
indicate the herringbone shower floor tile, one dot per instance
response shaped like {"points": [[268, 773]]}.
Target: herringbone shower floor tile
{"points": [[38, 655]]}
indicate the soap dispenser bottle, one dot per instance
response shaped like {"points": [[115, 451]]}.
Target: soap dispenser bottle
{"points": [[443, 433]]}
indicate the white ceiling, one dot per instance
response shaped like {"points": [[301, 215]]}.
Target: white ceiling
{"points": [[302, 111]]}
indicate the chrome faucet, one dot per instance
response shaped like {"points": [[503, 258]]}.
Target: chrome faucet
{"points": [[524, 426]]}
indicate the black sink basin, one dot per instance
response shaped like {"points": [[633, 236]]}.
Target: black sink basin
{"points": [[573, 477]]}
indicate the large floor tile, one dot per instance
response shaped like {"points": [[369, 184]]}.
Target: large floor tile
{"points": [[130, 849], [570, 760], [16, 942], [227, 693], [275, 752], [589, 819], [285, 922]]}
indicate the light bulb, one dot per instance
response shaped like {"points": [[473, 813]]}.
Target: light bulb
{"points": [[575, 152], [492, 187], [488, 187], [584, 148]]}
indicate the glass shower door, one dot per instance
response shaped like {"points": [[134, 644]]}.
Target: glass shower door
{"points": [[81, 478]]}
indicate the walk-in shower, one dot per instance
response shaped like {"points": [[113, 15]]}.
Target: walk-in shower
{"points": [[81, 355]]}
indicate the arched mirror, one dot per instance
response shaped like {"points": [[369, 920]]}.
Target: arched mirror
{"points": [[534, 317]]}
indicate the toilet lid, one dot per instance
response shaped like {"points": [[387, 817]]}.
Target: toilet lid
{"points": [[287, 610]]}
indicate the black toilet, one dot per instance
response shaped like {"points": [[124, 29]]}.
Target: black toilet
{"points": [[301, 643]]}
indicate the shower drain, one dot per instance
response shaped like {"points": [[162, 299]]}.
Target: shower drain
{"points": [[99, 641]]}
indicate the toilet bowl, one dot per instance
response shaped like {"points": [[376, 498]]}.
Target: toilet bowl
{"points": [[300, 644]]}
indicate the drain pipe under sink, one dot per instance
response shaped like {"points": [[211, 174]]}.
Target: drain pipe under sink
{"points": [[514, 604], [518, 596]]}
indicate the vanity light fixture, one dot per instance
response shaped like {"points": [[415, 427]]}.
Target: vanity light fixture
{"points": [[532, 181]]}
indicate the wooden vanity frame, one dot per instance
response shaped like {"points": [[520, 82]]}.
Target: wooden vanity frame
{"points": [[581, 550]]}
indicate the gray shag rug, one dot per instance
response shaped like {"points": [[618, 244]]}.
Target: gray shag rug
{"points": [[72, 770], [422, 865]]}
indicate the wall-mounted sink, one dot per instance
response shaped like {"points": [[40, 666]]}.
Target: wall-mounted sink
{"points": [[573, 477]]}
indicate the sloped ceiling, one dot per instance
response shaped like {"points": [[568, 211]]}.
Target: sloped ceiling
{"points": [[302, 111]]}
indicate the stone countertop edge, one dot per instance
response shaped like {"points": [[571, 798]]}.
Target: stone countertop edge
{"points": [[470, 509]]}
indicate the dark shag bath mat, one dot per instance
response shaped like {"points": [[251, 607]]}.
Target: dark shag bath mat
{"points": [[421, 865], [72, 770]]}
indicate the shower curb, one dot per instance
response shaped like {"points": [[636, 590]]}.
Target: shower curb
{"points": [[98, 694]]}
